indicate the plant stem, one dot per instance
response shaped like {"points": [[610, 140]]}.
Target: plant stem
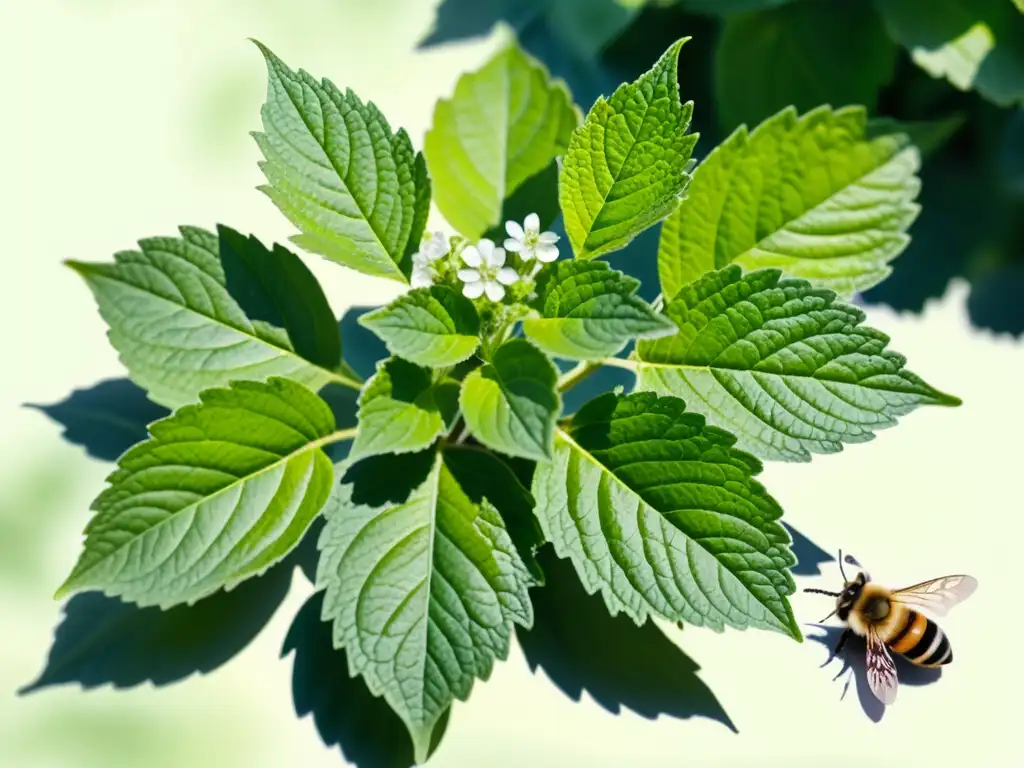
{"points": [[658, 303], [619, 362], [582, 370], [339, 435]]}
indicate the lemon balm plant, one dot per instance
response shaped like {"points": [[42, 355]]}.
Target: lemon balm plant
{"points": [[455, 463]]}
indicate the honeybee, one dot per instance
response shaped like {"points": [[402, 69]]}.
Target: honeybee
{"points": [[887, 620]]}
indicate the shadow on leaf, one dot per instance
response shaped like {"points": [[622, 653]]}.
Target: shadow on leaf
{"points": [[367, 731], [583, 648], [106, 419], [853, 658], [104, 641]]}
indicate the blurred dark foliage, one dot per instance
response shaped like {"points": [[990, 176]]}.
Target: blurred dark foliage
{"points": [[972, 222], [853, 665]]}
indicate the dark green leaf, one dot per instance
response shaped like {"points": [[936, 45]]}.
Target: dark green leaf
{"points": [[358, 193], [783, 365], [510, 404], [422, 590], [221, 491], [275, 287], [588, 311], [663, 516], [434, 327], [399, 411], [626, 166], [179, 330]]}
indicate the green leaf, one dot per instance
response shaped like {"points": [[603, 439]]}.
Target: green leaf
{"points": [[626, 166], [422, 589], [277, 288], [927, 135], [510, 404], [221, 491], [973, 44], [482, 475], [589, 311], [506, 123], [358, 193], [783, 365], [179, 330], [435, 327], [661, 514], [803, 54], [400, 410], [810, 195]]}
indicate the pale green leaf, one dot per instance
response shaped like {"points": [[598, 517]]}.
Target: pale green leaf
{"points": [[510, 403], [660, 513], [505, 123], [222, 490], [433, 326], [179, 330], [626, 166], [400, 410], [589, 311], [811, 195], [358, 193], [423, 588], [973, 44], [802, 55], [783, 365]]}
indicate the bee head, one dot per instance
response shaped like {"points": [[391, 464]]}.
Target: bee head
{"points": [[846, 598]]}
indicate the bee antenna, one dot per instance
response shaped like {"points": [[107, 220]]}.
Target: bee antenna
{"points": [[822, 592], [841, 565], [828, 617]]}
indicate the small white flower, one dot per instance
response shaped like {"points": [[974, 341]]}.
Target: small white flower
{"points": [[487, 272], [423, 272], [529, 242]]}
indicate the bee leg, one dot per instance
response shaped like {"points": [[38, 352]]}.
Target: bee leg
{"points": [[842, 641]]}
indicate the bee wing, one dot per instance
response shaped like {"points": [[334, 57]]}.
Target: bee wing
{"points": [[881, 669], [938, 595]]}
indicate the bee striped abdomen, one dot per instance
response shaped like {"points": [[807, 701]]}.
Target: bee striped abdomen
{"points": [[921, 641]]}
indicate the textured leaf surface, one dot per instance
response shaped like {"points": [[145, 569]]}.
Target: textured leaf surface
{"points": [[589, 311], [365, 728], [275, 287], [220, 492], [358, 192], [660, 513], [783, 365], [400, 410], [803, 54], [810, 195], [422, 589], [505, 123], [178, 329], [510, 404], [434, 326], [626, 166], [973, 44]]}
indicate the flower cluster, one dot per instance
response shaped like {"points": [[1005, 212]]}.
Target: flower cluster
{"points": [[482, 271]]}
